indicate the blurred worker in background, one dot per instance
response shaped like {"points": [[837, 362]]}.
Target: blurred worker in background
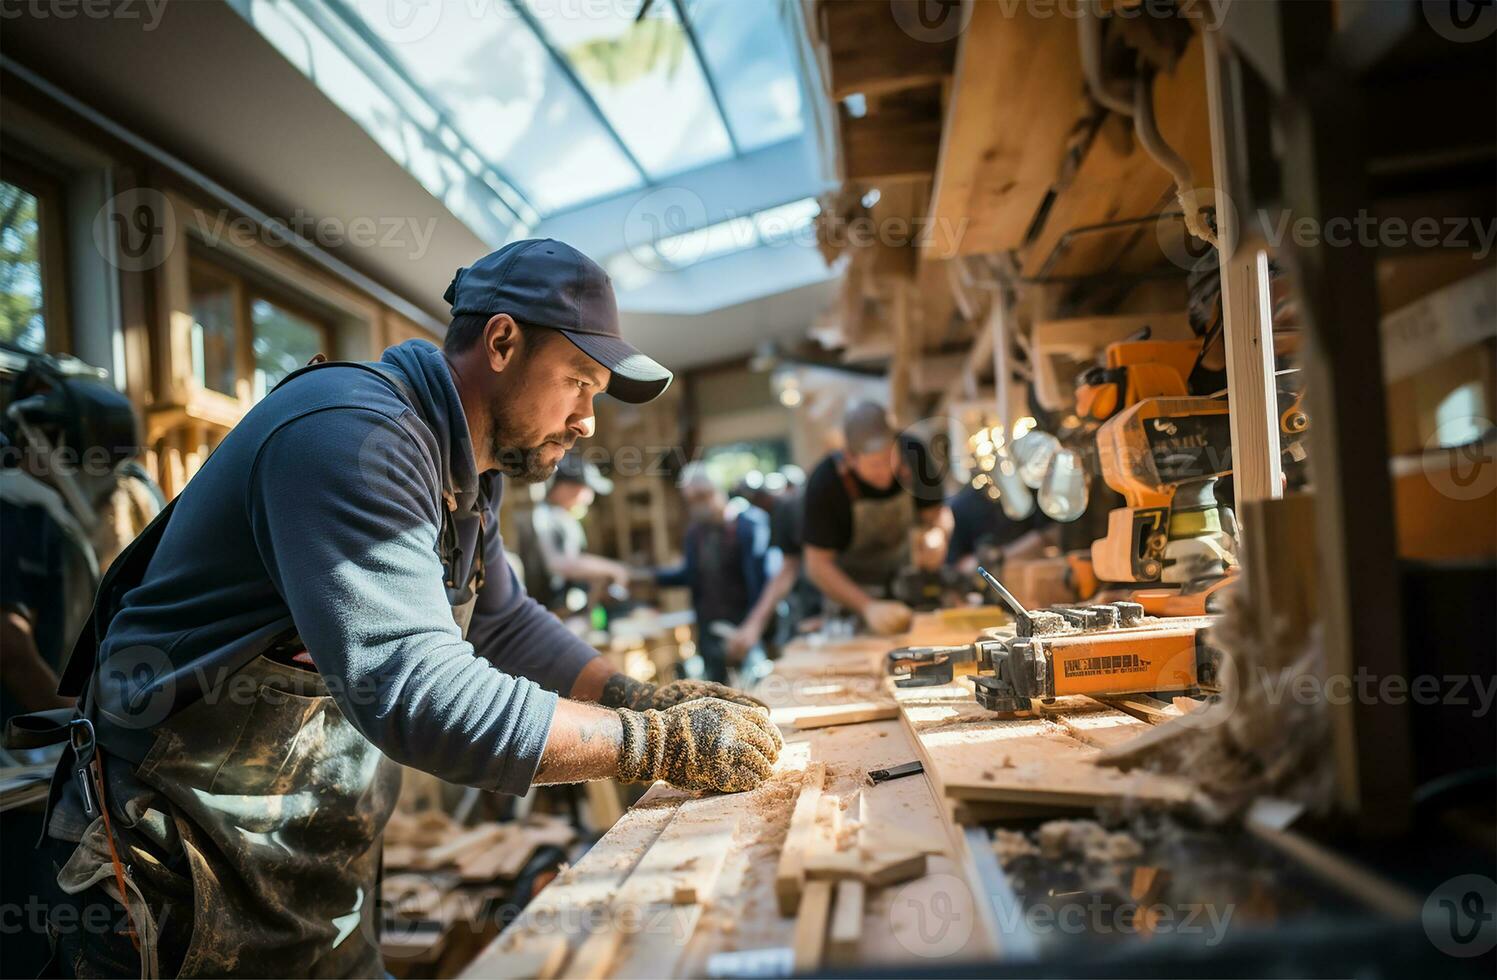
{"points": [[70, 498], [725, 564], [872, 509], [982, 534], [554, 545], [789, 598]]}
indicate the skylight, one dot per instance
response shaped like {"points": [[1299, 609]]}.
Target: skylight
{"points": [[511, 111]]}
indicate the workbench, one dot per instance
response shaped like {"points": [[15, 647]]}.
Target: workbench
{"points": [[1002, 811], [683, 877]]}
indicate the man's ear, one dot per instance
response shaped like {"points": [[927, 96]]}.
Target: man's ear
{"points": [[501, 339]]}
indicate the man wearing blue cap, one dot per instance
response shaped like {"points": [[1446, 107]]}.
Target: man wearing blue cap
{"points": [[328, 597]]}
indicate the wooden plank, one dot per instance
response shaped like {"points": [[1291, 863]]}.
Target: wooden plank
{"points": [[683, 865], [657, 949], [594, 959], [1141, 706], [971, 753], [591, 882], [870, 52], [473, 841], [847, 922], [810, 926], [791, 873], [898, 140], [846, 714], [1015, 98], [1247, 321], [1118, 180]]}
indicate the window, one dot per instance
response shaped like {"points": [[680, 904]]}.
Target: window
{"points": [[284, 341], [247, 336], [23, 320]]}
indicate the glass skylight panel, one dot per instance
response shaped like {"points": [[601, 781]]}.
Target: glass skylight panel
{"points": [[644, 77], [507, 97], [747, 50]]}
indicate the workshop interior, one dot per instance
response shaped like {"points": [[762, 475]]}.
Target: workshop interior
{"points": [[1019, 498]]}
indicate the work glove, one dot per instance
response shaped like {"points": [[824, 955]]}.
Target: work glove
{"points": [[705, 744], [622, 691], [886, 617]]}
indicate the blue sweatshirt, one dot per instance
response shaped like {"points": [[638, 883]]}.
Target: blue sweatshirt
{"points": [[320, 511]]}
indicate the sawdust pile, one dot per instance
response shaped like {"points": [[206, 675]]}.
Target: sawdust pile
{"points": [[1259, 738]]}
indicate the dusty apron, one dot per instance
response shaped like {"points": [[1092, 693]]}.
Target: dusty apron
{"points": [[260, 810], [880, 545]]}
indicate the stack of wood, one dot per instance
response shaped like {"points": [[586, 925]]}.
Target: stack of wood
{"points": [[828, 866], [431, 840]]}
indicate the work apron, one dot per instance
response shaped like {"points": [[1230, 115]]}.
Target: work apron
{"points": [[262, 807], [880, 544]]}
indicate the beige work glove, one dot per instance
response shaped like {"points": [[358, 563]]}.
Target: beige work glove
{"points": [[622, 691], [886, 617], [706, 744]]}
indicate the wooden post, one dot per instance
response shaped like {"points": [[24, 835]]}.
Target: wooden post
{"points": [[1247, 318]]}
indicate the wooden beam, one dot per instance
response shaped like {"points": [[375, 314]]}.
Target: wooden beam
{"points": [[872, 50], [900, 139], [1247, 322], [1118, 180], [1014, 101]]}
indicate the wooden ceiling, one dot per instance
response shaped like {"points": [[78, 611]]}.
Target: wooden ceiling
{"points": [[986, 152]]}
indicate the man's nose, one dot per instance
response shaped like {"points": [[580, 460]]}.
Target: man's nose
{"points": [[583, 425]]}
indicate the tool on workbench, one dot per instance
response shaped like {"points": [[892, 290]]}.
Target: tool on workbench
{"points": [[1094, 650], [896, 772]]}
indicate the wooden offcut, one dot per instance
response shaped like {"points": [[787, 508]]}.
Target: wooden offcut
{"points": [[790, 876], [811, 925], [846, 930], [972, 754], [846, 714]]}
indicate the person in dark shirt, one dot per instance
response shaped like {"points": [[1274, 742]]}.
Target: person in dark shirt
{"points": [[871, 510], [978, 523], [725, 564]]}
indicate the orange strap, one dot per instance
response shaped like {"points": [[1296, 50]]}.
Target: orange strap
{"points": [[119, 868]]}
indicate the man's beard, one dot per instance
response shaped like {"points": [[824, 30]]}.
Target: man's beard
{"points": [[519, 462]]}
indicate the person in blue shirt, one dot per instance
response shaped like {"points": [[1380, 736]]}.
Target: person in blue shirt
{"points": [[329, 597], [725, 564]]}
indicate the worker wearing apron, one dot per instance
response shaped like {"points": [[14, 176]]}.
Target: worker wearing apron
{"points": [[327, 598], [866, 509]]}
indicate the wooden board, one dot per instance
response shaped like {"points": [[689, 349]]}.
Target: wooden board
{"points": [[972, 754], [1016, 95], [810, 926], [846, 928], [846, 714], [1118, 180], [790, 874]]}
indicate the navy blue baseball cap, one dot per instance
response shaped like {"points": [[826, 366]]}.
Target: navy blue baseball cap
{"points": [[545, 283]]}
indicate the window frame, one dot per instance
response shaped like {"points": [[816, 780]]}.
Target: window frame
{"points": [[202, 263], [51, 219]]}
